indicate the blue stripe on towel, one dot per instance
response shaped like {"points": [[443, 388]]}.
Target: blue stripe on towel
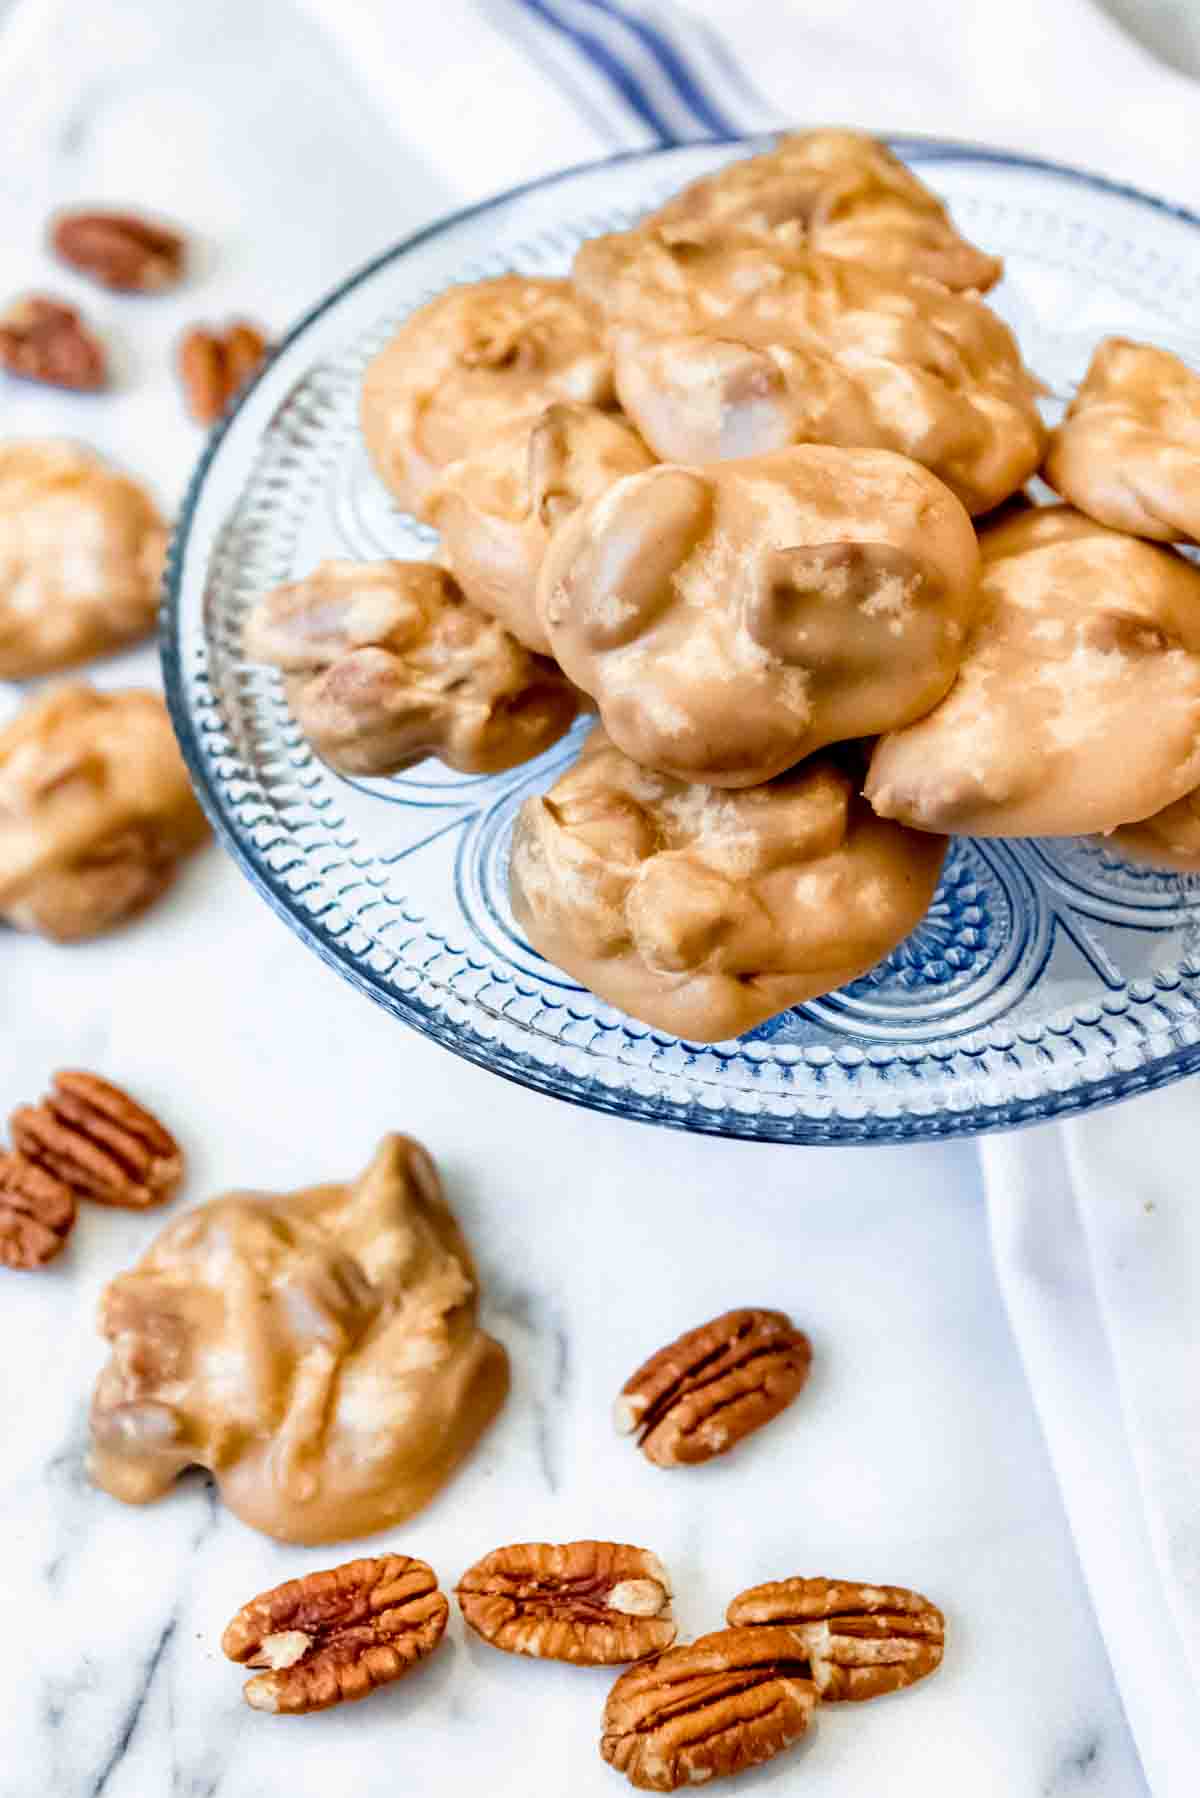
{"points": [[625, 83], [683, 79]]}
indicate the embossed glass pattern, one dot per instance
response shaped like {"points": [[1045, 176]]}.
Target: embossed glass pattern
{"points": [[1047, 977]]}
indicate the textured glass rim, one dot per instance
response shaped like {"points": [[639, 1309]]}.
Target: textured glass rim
{"points": [[495, 1056]]}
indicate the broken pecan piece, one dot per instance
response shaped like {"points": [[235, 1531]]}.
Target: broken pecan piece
{"points": [[214, 364], [119, 250], [724, 1702], [331, 1638], [593, 1603], [41, 339], [37, 1213], [700, 1396], [100, 1143], [862, 1640]]}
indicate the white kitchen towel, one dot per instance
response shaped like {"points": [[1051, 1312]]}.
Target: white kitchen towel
{"points": [[1096, 1233], [497, 91]]}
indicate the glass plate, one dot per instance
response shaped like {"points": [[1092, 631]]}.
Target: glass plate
{"points": [[1048, 976]]}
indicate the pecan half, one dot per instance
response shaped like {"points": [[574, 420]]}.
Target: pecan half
{"points": [[214, 364], [100, 1142], [43, 340], [331, 1638], [37, 1213], [594, 1603], [119, 250], [862, 1640], [724, 1702], [700, 1396]]}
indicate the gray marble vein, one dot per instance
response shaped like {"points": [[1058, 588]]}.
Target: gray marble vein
{"points": [[1080, 1768], [128, 1723], [535, 1334]]}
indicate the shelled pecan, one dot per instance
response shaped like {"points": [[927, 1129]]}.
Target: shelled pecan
{"points": [[862, 1640], [120, 250], [41, 339], [37, 1213], [214, 363], [702, 1395], [333, 1637], [593, 1603], [99, 1142], [722, 1703]]}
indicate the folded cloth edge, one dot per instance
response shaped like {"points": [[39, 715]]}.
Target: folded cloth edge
{"points": [[1044, 1270]]}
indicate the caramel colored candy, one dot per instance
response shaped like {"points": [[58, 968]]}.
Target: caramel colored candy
{"points": [[81, 558], [739, 347], [841, 193], [387, 663], [96, 811], [1128, 451], [318, 1351], [730, 620], [1168, 839], [471, 362], [1077, 706], [496, 508], [704, 912]]}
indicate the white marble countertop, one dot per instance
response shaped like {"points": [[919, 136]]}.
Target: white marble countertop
{"points": [[913, 1456]]}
